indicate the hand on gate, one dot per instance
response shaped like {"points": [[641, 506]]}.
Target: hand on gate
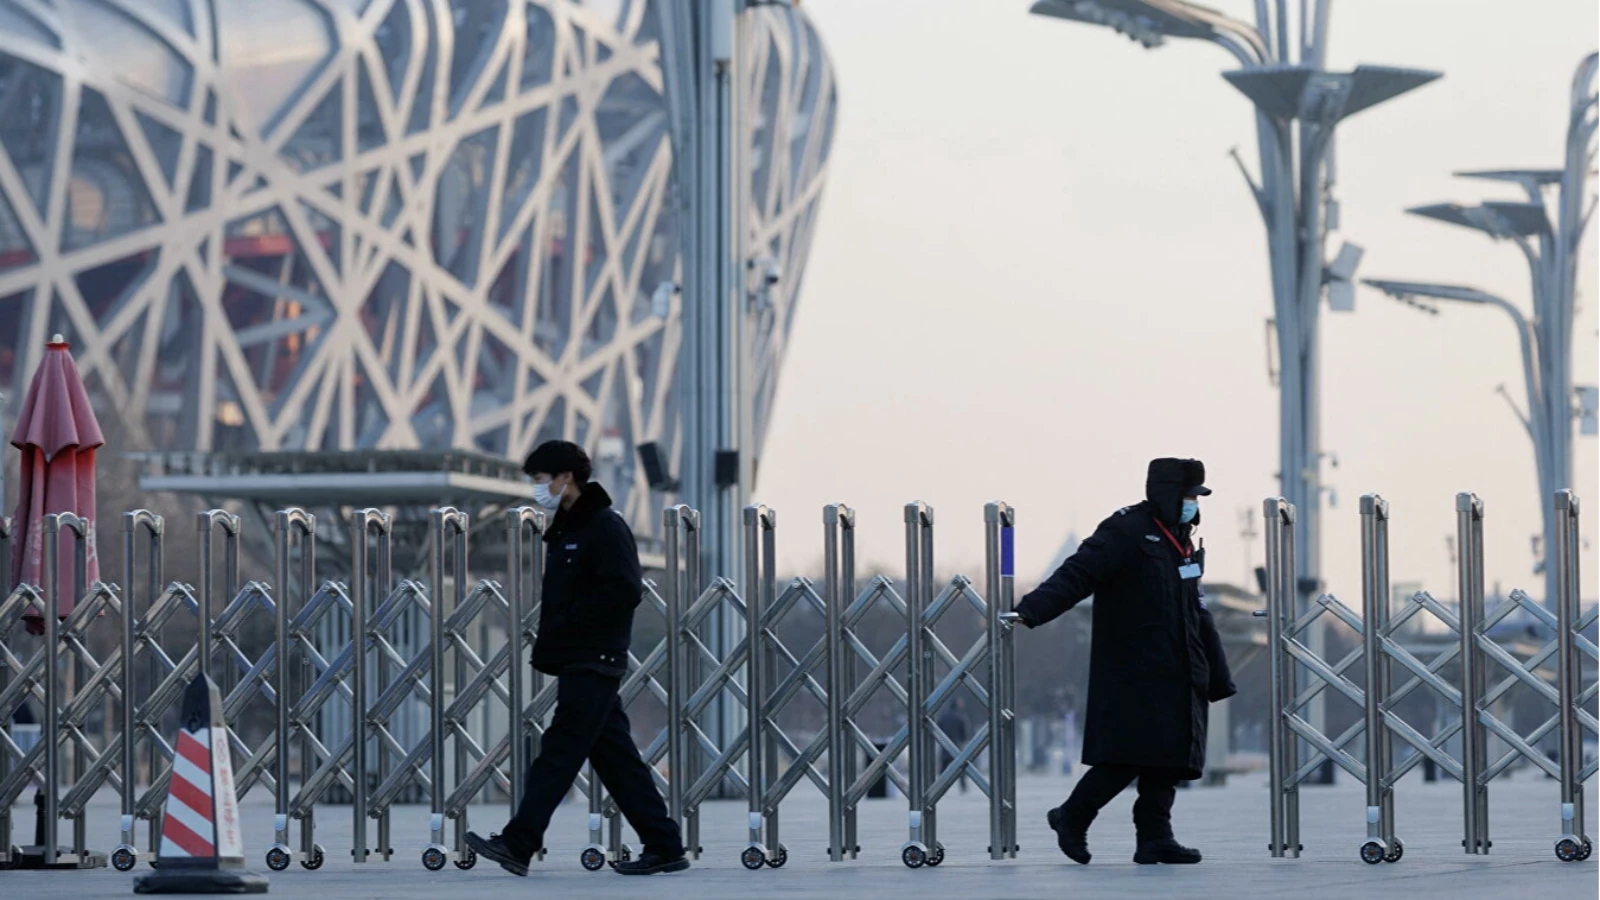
{"points": [[1011, 619]]}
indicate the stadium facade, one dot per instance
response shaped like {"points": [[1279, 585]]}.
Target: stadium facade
{"points": [[353, 225]]}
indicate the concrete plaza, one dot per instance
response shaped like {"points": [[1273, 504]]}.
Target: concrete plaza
{"points": [[1229, 824]]}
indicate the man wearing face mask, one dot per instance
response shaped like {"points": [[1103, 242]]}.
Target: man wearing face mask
{"points": [[592, 582], [1156, 661]]}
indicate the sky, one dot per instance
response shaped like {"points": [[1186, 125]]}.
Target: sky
{"points": [[1037, 268]]}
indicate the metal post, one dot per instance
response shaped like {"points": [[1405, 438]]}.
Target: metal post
{"points": [[153, 526], [1279, 519], [362, 523], [208, 522], [999, 574], [291, 527], [838, 591], [766, 587], [448, 524], [757, 520], [6, 584], [674, 522], [520, 630], [1474, 737], [1375, 616], [1565, 556], [52, 684], [919, 518]]}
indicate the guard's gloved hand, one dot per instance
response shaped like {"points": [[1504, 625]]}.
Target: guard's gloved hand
{"points": [[1016, 617]]}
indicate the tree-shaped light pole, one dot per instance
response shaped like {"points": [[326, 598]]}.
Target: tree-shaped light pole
{"points": [[1551, 245]]}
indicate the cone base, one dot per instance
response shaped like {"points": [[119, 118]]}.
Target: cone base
{"points": [[200, 881]]}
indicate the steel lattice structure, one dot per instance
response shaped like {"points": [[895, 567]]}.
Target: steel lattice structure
{"points": [[358, 224]]}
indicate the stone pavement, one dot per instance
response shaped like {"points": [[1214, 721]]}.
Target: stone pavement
{"points": [[1229, 824]]}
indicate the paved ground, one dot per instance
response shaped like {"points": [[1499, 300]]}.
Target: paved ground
{"points": [[1228, 824]]}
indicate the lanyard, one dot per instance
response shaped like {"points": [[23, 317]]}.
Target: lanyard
{"points": [[1186, 554]]}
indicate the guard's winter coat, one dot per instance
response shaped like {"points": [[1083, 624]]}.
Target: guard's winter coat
{"points": [[592, 582], [1156, 659]]}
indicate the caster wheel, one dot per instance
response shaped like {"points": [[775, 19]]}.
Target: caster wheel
{"points": [[1395, 852], [314, 862], [592, 858], [434, 858], [753, 858], [937, 856], [1569, 850], [1372, 853], [124, 859], [1588, 848], [779, 858], [277, 859], [468, 860], [915, 856]]}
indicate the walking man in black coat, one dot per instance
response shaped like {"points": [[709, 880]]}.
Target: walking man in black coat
{"points": [[592, 582], [1156, 661]]}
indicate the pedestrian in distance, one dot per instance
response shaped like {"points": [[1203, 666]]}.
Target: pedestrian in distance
{"points": [[953, 722], [592, 582], [1156, 661]]}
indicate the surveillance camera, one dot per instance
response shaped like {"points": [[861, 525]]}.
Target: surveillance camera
{"points": [[661, 299], [771, 270]]}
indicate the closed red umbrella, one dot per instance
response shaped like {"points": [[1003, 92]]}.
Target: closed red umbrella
{"points": [[58, 435]]}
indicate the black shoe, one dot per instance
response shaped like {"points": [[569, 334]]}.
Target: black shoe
{"points": [[1074, 842], [495, 847], [1166, 851], [650, 864]]}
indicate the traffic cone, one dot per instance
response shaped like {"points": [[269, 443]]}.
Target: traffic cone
{"points": [[202, 851]]}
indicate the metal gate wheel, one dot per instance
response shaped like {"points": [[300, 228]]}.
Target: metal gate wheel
{"points": [[753, 858], [1372, 853]]}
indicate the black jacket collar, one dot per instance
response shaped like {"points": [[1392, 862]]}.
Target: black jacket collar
{"points": [[591, 502]]}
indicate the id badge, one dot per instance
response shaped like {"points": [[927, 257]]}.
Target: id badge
{"points": [[1190, 570]]}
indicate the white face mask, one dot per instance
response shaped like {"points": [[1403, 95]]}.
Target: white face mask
{"points": [[543, 497]]}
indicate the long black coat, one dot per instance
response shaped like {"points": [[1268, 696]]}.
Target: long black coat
{"points": [[1156, 660]]}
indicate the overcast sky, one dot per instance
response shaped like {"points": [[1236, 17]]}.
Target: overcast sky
{"points": [[1037, 268]]}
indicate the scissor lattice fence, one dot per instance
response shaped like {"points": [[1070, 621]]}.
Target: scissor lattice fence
{"points": [[382, 690], [1421, 649]]}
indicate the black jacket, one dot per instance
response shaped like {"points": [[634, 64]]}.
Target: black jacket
{"points": [[1155, 657], [592, 582]]}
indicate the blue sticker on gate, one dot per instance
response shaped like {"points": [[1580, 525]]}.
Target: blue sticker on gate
{"points": [[1008, 554]]}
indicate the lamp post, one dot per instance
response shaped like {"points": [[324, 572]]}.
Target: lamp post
{"points": [[701, 47], [1298, 105], [1551, 246]]}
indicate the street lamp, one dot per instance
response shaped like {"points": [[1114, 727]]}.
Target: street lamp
{"points": [[1298, 106], [701, 55], [1551, 246], [1407, 292]]}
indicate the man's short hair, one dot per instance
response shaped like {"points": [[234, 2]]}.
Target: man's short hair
{"points": [[556, 457]]}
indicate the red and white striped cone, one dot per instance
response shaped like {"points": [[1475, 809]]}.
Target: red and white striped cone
{"points": [[202, 851]]}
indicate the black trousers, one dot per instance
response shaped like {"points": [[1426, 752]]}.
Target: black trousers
{"points": [[590, 724], [1152, 812]]}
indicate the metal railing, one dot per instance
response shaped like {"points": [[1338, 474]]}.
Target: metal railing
{"points": [[387, 689], [1457, 674]]}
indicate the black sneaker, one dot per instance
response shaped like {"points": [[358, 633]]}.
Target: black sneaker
{"points": [[1166, 851], [1074, 842], [495, 847], [650, 864]]}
